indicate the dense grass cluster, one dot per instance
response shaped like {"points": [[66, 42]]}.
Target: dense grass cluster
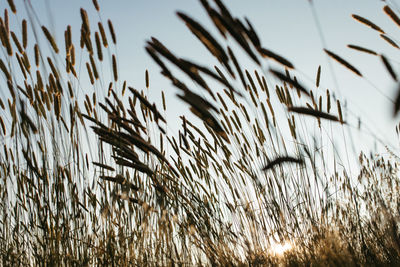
{"points": [[94, 177]]}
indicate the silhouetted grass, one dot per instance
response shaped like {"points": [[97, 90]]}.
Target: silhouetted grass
{"points": [[94, 177]]}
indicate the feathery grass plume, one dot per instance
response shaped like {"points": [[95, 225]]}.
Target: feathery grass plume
{"points": [[290, 81], [339, 111], [112, 32], [146, 103], [16, 42], [98, 46], [164, 70], [163, 101], [237, 66], [50, 39], [268, 53], [68, 40], [94, 68], [26, 62], [114, 67], [253, 86], [5, 70], [24, 33], [103, 166], [314, 113], [197, 101], [72, 56], [221, 78], [96, 5], [53, 68], [26, 119], [3, 126], [11, 90], [328, 101], [21, 66], [103, 35], [318, 78], [185, 66], [259, 80], [224, 22], [206, 38], [119, 179], [391, 14], [389, 67], [281, 160], [12, 6], [147, 78], [367, 22], [215, 17], [86, 41], [90, 73], [200, 107], [5, 38], [85, 21], [343, 62], [390, 41], [252, 34], [6, 21], [362, 49]]}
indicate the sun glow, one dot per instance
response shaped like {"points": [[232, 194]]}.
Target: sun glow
{"points": [[280, 249]]}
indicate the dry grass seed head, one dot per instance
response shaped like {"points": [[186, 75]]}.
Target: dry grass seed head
{"points": [[50, 39], [367, 22], [237, 66], [114, 66], [12, 6], [317, 80], [5, 70], [362, 49], [314, 113], [391, 14], [147, 78], [290, 81], [16, 42], [24, 33], [85, 21], [281, 160], [21, 66], [389, 67], [96, 5], [339, 111], [98, 46], [389, 40], [112, 32], [5, 38], [6, 22], [343, 62], [94, 68], [103, 35], [268, 53], [90, 73]]}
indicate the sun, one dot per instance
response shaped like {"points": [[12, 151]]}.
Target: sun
{"points": [[280, 249]]}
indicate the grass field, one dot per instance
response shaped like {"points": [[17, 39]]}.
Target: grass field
{"points": [[257, 174]]}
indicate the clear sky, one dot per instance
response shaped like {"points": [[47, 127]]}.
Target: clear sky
{"points": [[285, 26]]}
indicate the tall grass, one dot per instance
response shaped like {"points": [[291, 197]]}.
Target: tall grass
{"points": [[94, 177]]}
